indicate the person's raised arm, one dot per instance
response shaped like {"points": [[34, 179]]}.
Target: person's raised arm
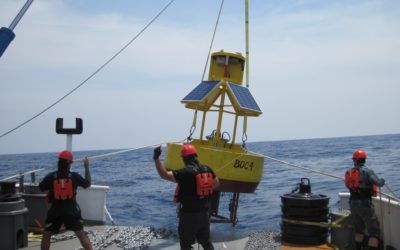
{"points": [[162, 171]]}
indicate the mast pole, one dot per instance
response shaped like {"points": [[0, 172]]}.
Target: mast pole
{"points": [[247, 43], [244, 135]]}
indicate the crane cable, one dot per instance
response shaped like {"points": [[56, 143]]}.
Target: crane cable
{"points": [[212, 40], [93, 74]]}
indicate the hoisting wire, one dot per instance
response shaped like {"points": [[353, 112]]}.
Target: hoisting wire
{"points": [[212, 40], [93, 74], [393, 196]]}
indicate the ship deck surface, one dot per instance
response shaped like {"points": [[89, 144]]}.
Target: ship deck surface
{"points": [[109, 238]]}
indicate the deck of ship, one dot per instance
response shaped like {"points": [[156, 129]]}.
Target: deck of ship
{"points": [[116, 237]]}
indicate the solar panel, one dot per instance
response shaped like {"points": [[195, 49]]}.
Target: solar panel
{"points": [[244, 97], [201, 91]]}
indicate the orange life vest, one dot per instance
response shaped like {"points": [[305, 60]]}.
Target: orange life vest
{"points": [[204, 184], [63, 189], [352, 181], [352, 178]]}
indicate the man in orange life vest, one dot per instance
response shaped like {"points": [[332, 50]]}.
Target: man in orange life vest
{"points": [[195, 185], [362, 182], [62, 185]]}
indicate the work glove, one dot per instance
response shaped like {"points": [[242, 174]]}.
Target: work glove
{"points": [[156, 153]]}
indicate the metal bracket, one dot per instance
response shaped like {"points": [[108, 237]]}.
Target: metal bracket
{"points": [[69, 131]]}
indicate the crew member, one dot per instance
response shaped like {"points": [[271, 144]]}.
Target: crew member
{"points": [[61, 186], [195, 185], [362, 183]]}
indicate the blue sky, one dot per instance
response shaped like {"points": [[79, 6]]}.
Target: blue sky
{"points": [[317, 69]]}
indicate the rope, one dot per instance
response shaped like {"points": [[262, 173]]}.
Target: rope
{"points": [[92, 75], [333, 224], [299, 166], [90, 158], [23, 174], [391, 191], [124, 151], [318, 172], [212, 40]]}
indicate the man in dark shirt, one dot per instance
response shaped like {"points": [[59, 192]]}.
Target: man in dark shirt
{"points": [[361, 181], [61, 186], [195, 185]]}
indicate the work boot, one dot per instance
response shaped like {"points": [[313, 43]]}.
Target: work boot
{"points": [[359, 245]]}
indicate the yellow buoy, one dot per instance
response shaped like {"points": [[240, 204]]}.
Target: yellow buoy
{"points": [[238, 170]]}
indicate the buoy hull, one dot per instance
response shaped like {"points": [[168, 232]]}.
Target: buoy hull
{"points": [[237, 170]]}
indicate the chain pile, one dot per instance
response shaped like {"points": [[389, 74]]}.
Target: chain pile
{"points": [[264, 240], [127, 238]]}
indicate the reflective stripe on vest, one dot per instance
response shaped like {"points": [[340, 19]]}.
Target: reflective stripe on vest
{"points": [[204, 184], [63, 189]]}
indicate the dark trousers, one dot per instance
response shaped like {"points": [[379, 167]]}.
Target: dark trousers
{"points": [[364, 218], [194, 226]]}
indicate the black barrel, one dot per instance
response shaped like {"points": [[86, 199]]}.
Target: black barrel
{"points": [[300, 208], [13, 218]]}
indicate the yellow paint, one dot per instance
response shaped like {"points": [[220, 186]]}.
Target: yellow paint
{"points": [[228, 163], [226, 62], [285, 246]]}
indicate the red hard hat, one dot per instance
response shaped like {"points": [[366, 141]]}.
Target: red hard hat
{"points": [[66, 155], [359, 154], [188, 149]]}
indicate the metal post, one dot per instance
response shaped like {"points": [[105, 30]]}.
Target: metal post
{"points": [[247, 61], [33, 177], [247, 43], [21, 183], [69, 142], [220, 112], [203, 124]]}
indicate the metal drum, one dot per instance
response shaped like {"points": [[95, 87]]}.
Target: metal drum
{"points": [[300, 211], [13, 218]]}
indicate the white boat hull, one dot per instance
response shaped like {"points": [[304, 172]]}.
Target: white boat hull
{"points": [[388, 213]]}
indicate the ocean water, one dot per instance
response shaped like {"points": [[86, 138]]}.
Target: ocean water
{"points": [[137, 195]]}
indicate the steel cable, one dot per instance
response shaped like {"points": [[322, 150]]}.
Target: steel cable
{"points": [[92, 75], [212, 40]]}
